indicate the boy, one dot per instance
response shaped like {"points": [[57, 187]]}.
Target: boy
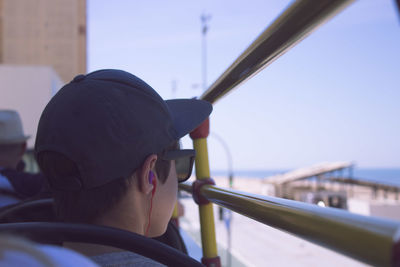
{"points": [[107, 143]]}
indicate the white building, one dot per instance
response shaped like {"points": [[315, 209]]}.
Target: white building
{"points": [[28, 89]]}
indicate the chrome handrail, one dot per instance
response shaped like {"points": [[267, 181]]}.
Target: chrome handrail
{"points": [[371, 240], [293, 25]]}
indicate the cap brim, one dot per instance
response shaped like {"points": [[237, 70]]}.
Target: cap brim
{"points": [[187, 114]]}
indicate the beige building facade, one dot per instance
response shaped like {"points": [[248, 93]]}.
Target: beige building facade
{"points": [[44, 32]]}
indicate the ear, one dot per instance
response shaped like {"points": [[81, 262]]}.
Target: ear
{"points": [[148, 165]]}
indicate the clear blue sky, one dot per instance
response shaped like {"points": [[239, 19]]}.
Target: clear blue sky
{"points": [[334, 96]]}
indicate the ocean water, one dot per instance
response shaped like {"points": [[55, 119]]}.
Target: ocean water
{"points": [[383, 175]]}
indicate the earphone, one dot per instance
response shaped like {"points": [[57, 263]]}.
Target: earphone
{"points": [[151, 177], [152, 181]]}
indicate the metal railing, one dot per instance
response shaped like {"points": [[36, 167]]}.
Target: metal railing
{"points": [[293, 25], [371, 240], [367, 239]]}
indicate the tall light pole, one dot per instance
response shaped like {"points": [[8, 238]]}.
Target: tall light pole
{"points": [[228, 156], [173, 88], [204, 28], [227, 214]]}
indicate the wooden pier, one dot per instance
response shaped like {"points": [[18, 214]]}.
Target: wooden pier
{"points": [[332, 184]]}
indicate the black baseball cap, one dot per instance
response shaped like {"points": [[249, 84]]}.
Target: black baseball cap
{"points": [[108, 121]]}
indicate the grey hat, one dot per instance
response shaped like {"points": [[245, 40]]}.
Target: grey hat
{"points": [[107, 122], [11, 130]]}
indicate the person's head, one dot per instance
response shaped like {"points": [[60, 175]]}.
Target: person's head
{"points": [[107, 142], [12, 139]]}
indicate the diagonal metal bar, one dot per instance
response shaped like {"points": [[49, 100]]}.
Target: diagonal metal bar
{"points": [[293, 25]]}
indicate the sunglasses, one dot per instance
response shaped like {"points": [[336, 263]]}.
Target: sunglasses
{"points": [[184, 159]]}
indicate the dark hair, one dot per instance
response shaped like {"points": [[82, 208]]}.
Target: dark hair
{"points": [[85, 206]]}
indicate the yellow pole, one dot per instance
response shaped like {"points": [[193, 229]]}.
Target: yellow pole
{"points": [[207, 227], [208, 240]]}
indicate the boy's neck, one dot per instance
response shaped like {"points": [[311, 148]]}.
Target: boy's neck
{"points": [[129, 214]]}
